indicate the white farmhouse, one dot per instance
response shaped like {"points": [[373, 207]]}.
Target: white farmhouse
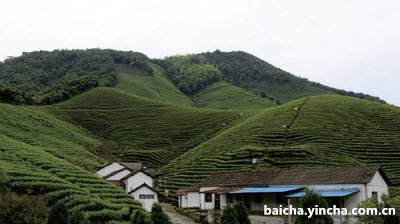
{"points": [[145, 195], [133, 179], [344, 187]]}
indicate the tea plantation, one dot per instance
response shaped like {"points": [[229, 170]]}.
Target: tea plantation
{"points": [[310, 132], [44, 155], [148, 131]]}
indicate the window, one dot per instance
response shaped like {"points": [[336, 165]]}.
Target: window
{"points": [[146, 196], [208, 197], [375, 194], [257, 198]]}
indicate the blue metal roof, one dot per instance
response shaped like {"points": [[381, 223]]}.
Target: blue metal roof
{"points": [[327, 193], [272, 189]]}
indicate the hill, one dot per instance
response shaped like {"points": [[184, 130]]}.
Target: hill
{"points": [[253, 74], [145, 130], [155, 86], [45, 77], [45, 155], [221, 95], [316, 131]]}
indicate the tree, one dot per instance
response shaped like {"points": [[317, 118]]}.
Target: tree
{"points": [[310, 200], [58, 214], [373, 202], [229, 215], [141, 217], [241, 213], [78, 217], [158, 216]]}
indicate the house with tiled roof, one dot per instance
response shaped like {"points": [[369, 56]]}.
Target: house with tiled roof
{"points": [[133, 179], [344, 187]]}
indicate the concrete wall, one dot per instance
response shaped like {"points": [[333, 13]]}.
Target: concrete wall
{"points": [[109, 169], [138, 179], [207, 205], [378, 185], [146, 203]]}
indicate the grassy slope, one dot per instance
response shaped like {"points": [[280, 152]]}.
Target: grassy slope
{"points": [[148, 131], [222, 95], [286, 92], [326, 131], [46, 155], [155, 86]]}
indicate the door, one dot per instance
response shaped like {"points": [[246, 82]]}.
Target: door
{"points": [[217, 202]]}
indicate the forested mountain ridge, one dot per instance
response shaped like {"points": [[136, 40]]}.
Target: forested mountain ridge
{"points": [[45, 77], [258, 76]]}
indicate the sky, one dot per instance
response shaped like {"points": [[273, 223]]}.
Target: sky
{"points": [[347, 44]]}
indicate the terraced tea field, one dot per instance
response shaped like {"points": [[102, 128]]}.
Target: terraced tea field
{"points": [[313, 132], [148, 131], [44, 155], [225, 96], [155, 86]]}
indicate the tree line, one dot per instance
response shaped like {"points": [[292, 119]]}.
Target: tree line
{"points": [[44, 77]]}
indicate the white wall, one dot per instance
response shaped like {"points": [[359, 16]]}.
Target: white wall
{"points": [[119, 175], [146, 203], [378, 185], [138, 179], [109, 169], [207, 205], [191, 200]]}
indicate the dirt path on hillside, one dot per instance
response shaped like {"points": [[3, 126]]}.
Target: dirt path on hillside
{"points": [[175, 217]]}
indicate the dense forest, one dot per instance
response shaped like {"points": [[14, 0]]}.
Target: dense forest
{"points": [[44, 77], [49, 77], [190, 73], [245, 70]]}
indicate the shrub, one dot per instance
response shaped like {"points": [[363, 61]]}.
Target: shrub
{"points": [[21, 209], [241, 213], [78, 217], [58, 214], [158, 216], [373, 202], [229, 215], [310, 200], [141, 217]]}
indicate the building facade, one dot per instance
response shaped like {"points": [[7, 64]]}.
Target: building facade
{"points": [[133, 179], [343, 187]]}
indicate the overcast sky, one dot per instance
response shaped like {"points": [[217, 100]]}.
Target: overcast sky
{"points": [[347, 44]]}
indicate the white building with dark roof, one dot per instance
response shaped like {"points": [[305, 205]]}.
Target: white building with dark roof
{"points": [[344, 187], [133, 179]]}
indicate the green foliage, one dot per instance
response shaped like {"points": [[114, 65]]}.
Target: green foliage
{"points": [[147, 131], [49, 77], [58, 214], [373, 202], [11, 95], [21, 209], [221, 95], [191, 73], [158, 216], [310, 200], [42, 153], [229, 215], [319, 131], [141, 217], [155, 86], [251, 73], [241, 213], [78, 217]]}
